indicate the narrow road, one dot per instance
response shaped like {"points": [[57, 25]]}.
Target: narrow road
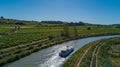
{"points": [[93, 55], [79, 59], [96, 64], [82, 57], [23, 45], [7, 51]]}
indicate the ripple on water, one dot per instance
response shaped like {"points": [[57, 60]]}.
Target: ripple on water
{"points": [[49, 57]]}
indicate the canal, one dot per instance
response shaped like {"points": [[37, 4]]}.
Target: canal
{"points": [[49, 57]]}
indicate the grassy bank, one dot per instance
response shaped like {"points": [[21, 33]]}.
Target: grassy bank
{"points": [[79, 53], [10, 55], [74, 57], [106, 55]]}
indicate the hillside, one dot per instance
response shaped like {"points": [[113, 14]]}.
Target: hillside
{"points": [[21, 38]]}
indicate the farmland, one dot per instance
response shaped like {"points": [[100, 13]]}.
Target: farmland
{"points": [[32, 36], [28, 35]]}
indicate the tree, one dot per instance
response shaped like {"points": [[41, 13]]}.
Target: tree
{"points": [[20, 23], [75, 31], [89, 28], [62, 33], [18, 27], [2, 17], [15, 28], [66, 30]]}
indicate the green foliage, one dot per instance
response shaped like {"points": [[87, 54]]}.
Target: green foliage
{"points": [[89, 28], [1, 17], [75, 32], [88, 57], [104, 57], [104, 60], [4, 30], [31, 32], [66, 30], [115, 51], [18, 39]]}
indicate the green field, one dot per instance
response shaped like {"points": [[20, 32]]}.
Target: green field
{"points": [[116, 62], [28, 33], [115, 55], [32, 36], [4, 30]]}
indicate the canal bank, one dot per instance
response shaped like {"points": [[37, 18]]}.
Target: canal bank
{"points": [[49, 57]]}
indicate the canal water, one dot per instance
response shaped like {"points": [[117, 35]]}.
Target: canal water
{"points": [[49, 57]]}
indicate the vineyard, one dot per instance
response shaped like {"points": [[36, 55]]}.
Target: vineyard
{"points": [[4, 30], [28, 35], [19, 42]]}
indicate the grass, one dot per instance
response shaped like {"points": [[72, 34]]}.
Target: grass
{"points": [[88, 57], [105, 58], [115, 58], [115, 62], [96, 30], [4, 30], [34, 32], [116, 48], [29, 34], [70, 61]]}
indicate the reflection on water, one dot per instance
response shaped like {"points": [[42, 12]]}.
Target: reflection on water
{"points": [[53, 59], [49, 57]]}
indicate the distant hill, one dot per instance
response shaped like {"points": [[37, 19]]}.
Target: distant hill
{"points": [[115, 24], [23, 22], [61, 22], [14, 21]]}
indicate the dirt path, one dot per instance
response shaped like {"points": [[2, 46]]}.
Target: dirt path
{"points": [[79, 59], [96, 65], [23, 45], [96, 57], [82, 57], [93, 54], [6, 51]]}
